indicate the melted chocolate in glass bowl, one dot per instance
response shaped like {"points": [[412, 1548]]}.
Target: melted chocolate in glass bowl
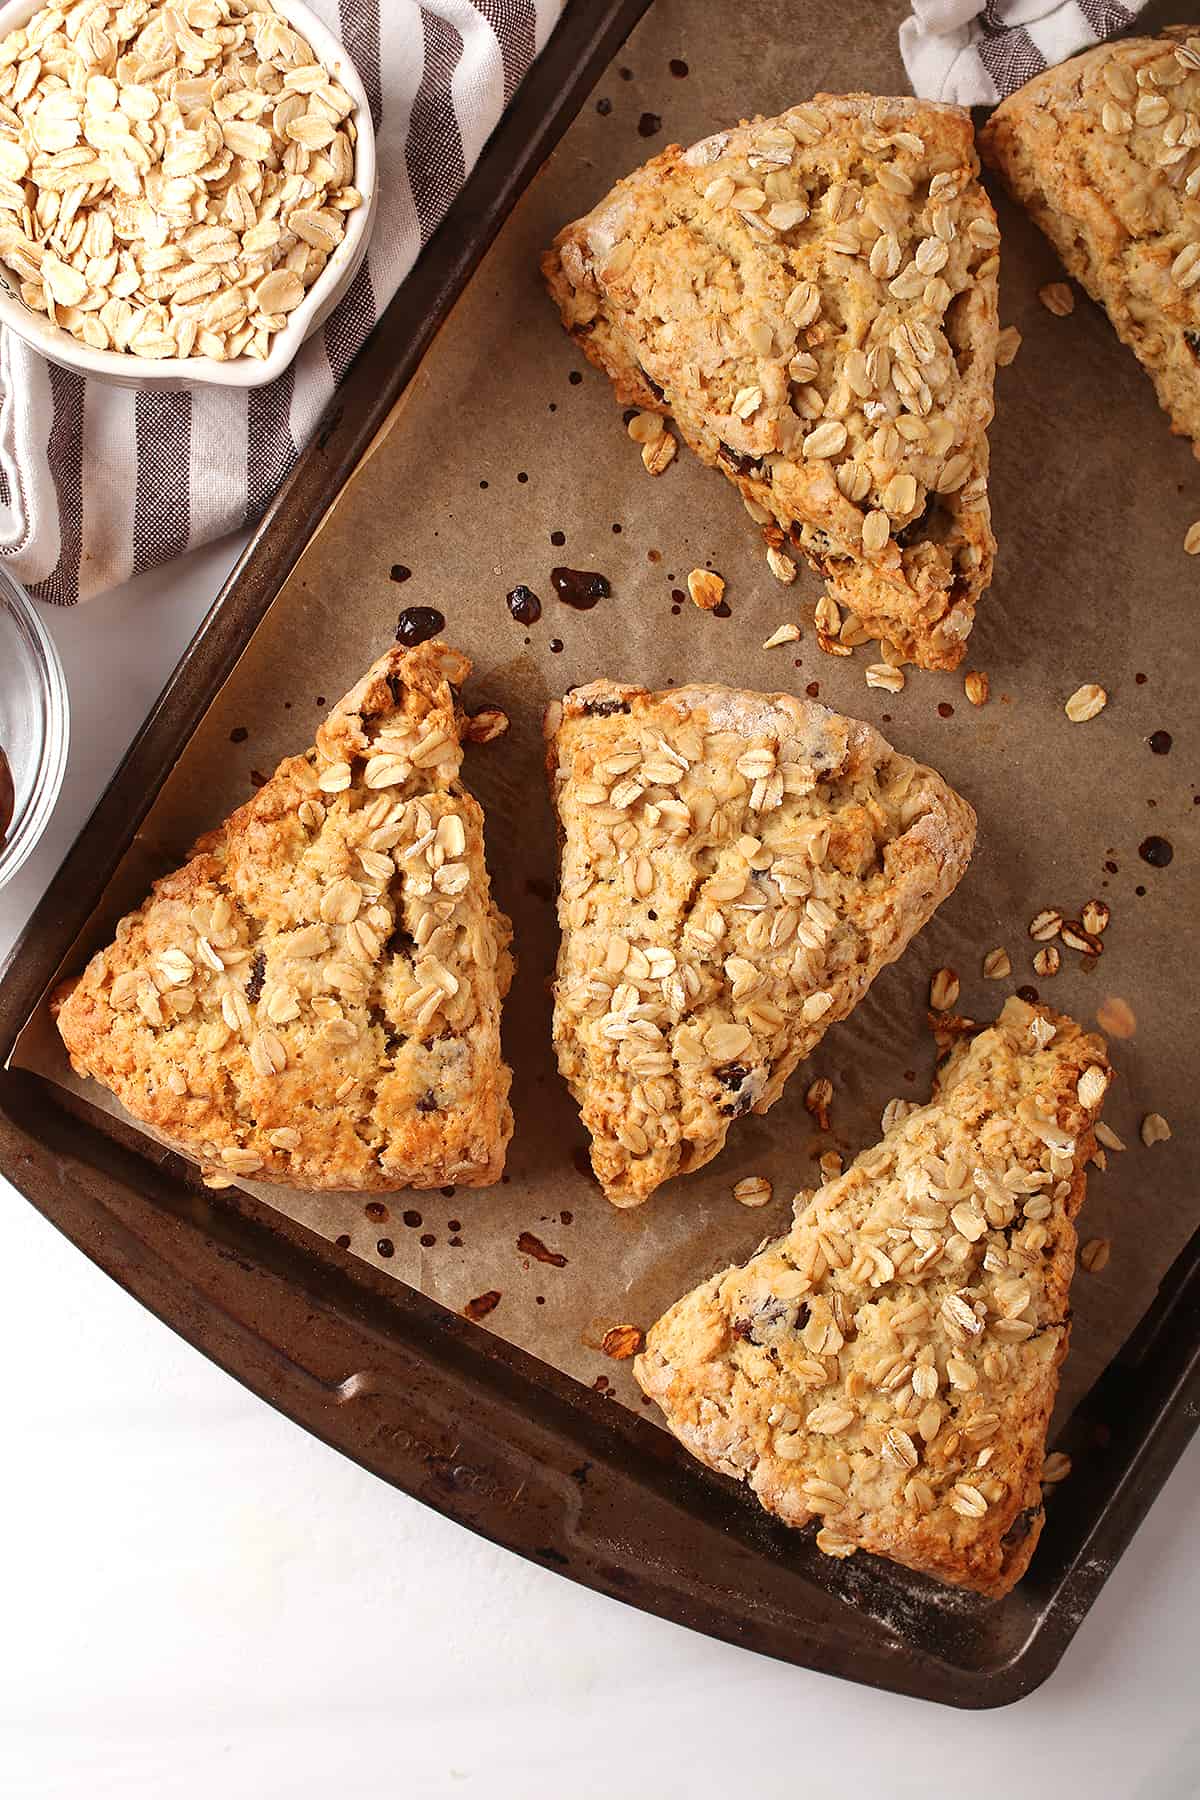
{"points": [[8, 798]]}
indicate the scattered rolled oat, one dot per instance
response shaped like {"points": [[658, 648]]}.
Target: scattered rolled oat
{"points": [[1094, 1255], [943, 990], [621, 1342], [819, 1099], [174, 178], [782, 567], [1057, 298], [705, 588], [997, 965], [1007, 344], [753, 1190], [1191, 539], [783, 634], [830, 1544], [883, 675], [1095, 917], [831, 1164], [1046, 924], [646, 428], [1086, 702], [659, 455], [484, 726], [1048, 960], [1076, 938], [1116, 1017], [1055, 1468], [1107, 1136], [827, 617], [1155, 1129], [977, 687]]}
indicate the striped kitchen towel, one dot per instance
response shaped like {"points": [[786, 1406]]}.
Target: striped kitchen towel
{"points": [[100, 483], [975, 53]]}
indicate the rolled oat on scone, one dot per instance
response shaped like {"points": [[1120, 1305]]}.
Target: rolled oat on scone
{"points": [[736, 870], [813, 300], [314, 998], [889, 1367], [1104, 152]]}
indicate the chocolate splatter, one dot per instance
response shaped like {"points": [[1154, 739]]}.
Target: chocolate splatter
{"points": [[1157, 851], [524, 605], [417, 624], [528, 1245], [580, 588]]}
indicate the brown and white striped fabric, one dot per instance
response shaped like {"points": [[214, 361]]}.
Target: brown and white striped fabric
{"points": [[99, 483], [975, 52]]}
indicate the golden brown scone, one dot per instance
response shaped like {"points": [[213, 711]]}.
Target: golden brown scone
{"points": [[889, 1367], [736, 870], [813, 300], [1104, 151], [315, 997]]}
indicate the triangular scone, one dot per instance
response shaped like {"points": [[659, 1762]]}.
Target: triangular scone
{"points": [[889, 1367], [813, 300], [315, 997], [1103, 152], [736, 870]]}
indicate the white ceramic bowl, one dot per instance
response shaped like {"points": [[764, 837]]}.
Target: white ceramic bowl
{"points": [[34, 722], [124, 370]]}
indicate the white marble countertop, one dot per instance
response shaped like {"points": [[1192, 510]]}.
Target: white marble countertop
{"points": [[200, 1600]]}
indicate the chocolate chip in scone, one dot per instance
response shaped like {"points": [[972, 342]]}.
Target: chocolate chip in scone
{"points": [[738, 461], [401, 942], [604, 709], [427, 1103], [1021, 1526], [915, 529], [254, 984]]}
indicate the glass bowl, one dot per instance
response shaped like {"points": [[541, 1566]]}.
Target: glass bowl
{"points": [[34, 725]]}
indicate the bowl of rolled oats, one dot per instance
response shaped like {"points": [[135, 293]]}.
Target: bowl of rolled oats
{"points": [[186, 190]]}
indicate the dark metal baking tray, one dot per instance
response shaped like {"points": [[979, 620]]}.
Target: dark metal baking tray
{"points": [[487, 1435]]}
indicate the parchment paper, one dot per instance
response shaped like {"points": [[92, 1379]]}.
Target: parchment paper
{"points": [[506, 438]]}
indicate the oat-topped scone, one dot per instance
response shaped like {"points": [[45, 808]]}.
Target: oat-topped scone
{"points": [[889, 1367], [812, 298], [1104, 151], [315, 997], [736, 870]]}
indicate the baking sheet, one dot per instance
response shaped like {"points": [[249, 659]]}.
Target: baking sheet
{"points": [[507, 438]]}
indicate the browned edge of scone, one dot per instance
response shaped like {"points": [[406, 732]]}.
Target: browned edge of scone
{"points": [[308, 1145]]}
